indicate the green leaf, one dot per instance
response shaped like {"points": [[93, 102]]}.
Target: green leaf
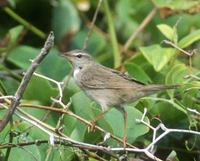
{"points": [[59, 153], [189, 39], [40, 90], [168, 32], [21, 56], [84, 107], [70, 124], [4, 137], [3, 88], [27, 153], [34, 132], [53, 66], [157, 56], [10, 85], [134, 129], [12, 3], [125, 10], [177, 106], [65, 19], [14, 33], [96, 43], [170, 115], [137, 72], [176, 74]]}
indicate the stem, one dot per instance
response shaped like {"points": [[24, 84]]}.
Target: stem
{"points": [[22, 21], [116, 53], [26, 79]]}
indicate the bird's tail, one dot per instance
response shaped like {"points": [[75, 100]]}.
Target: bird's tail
{"points": [[157, 87], [151, 89]]}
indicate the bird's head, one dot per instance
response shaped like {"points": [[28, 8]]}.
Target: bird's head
{"points": [[79, 58]]}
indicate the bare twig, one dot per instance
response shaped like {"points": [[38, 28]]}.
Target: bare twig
{"points": [[139, 29], [7, 97], [178, 48], [70, 113], [62, 137], [193, 111], [193, 76], [85, 44], [66, 111], [20, 91], [156, 139], [59, 84], [53, 135], [65, 83]]}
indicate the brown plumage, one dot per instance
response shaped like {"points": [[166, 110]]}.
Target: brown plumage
{"points": [[106, 86]]}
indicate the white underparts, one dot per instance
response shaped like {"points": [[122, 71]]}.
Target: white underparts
{"points": [[76, 71]]}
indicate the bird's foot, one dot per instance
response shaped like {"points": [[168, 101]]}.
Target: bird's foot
{"points": [[91, 128], [124, 141]]}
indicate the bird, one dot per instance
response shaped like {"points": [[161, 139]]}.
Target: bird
{"points": [[106, 86]]}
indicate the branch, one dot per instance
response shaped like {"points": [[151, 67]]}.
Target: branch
{"points": [[178, 48], [66, 111], [55, 135], [85, 44], [70, 113], [21, 89], [194, 111], [139, 29]]}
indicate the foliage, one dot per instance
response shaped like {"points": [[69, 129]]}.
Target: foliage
{"points": [[148, 60]]}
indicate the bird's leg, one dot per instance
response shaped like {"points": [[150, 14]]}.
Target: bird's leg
{"points": [[124, 130], [122, 109]]}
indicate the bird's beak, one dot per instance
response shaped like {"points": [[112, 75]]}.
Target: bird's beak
{"points": [[68, 56]]}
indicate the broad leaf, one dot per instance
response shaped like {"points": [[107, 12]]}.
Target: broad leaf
{"points": [[157, 56], [168, 32], [52, 66], [40, 89], [189, 39], [137, 72], [14, 34], [65, 19], [134, 129], [83, 107]]}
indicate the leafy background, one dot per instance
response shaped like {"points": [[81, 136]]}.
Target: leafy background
{"points": [[23, 28]]}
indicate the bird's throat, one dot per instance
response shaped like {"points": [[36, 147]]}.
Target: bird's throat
{"points": [[76, 71]]}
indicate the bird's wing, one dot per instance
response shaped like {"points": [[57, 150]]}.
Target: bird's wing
{"points": [[126, 76], [105, 78]]}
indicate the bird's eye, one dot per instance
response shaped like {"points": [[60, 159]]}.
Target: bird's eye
{"points": [[79, 56]]}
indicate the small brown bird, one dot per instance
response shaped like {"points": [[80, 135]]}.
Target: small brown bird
{"points": [[106, 86]]}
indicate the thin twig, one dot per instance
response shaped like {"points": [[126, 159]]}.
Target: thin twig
{"points": [[53, 135], [85, 44], [24, 22], [70, 113], [21, 89], [66, 81], [178, 48], [144, 23], [59, 84], [193, 111], [65, 108]]}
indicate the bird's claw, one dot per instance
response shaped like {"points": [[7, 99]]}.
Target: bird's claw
{"points": [[124, 141], [91, 128]]}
